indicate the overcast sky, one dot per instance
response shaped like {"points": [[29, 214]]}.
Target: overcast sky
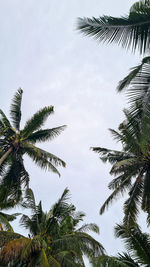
{"points": [[41, 52]]}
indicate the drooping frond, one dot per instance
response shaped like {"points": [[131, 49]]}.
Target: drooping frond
{"points": [[37, 121], [12, 180], [43, 158], [15, 109], [121, 189], [80, 241], [89, 227], [5, 220], [131, 205], [111, 156], [45, 135], [42, 260], [130, 31], [4, 120], [146, 195], [135, 72], [137, 243], [111, 261], [29, 200]]}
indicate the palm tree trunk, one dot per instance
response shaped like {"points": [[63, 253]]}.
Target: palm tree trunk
{"points": [[5, 155]]}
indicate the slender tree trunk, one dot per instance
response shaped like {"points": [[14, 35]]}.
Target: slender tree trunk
{"points": [[5, 155]]}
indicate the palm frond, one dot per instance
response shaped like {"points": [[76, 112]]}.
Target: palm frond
{"points": [[137, 243], [37, 121], [43, 260], [5, 222], [135, 72], [121, 189], [111, 156], [130, 31], [5, 120], [43, 158], [89, 227], [146, 195], [111, 261], [15, 109], [45, 135], [131, 205], [29, 200], [14, 177]]}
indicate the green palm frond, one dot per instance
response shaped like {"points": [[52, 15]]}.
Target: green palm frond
{"points": [[45, 135], [5, 222], [15, 110], [130, 31], [43, 158], [111, 156], [146, 195], [4, 120], [121, 189], [52, 261], [135, 72], [12, 180], [137, 243], [29, 200], [131, 205], [89, 227], [111, 261], [37, 121], [62, 207], [43, 260], [80, 241]]}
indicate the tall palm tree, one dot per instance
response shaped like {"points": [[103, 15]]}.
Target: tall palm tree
{"points": [[15, 143], [55, 238], [131, 31], [131, 165], [138, 250]]}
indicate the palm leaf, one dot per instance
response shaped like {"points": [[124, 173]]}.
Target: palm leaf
{"points": [[135, 72], [130, 31], [43, 158], [89, 227], [137, 243], [15, 109], [37, 121], [110, 261], [45, 135], [126, 183], [131, 205]]}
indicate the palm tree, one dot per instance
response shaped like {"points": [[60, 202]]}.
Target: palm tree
{"points": [[131, 165], [138, 250], [15, 143], [131, 31], [55, 238]]}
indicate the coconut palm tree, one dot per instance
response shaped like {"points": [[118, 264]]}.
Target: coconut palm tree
{"points": [[131, 31], [16, 142], [55, 238], [131, 165], [138, 250]]}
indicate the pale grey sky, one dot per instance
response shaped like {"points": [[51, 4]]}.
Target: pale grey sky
{"points": [[41, 51]]}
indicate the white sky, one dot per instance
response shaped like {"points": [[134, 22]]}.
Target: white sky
{"points": [[41, 51]]}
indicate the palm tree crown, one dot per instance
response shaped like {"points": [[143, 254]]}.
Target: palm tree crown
{"points": [[132, 164], [14, 143], [55, 237]]}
